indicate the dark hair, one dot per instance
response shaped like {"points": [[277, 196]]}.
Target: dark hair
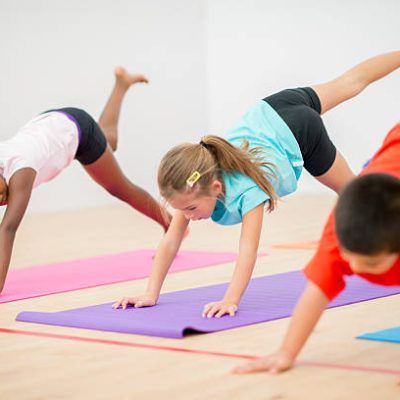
{"points": [[367, 215]]}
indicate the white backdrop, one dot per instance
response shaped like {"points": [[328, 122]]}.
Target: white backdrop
{"points": [[207, 61], [56, 53], [258, 47]]}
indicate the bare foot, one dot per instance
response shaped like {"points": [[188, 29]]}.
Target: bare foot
{"points": [[125, 79]]}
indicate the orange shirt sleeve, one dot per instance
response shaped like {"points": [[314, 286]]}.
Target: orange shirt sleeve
{"points": [[386, 159], [327, 268]]}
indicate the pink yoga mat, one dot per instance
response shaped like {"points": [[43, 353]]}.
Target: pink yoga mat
{"points": [[47, 279]]}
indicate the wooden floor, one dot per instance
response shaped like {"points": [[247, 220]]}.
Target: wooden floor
{"points": [[55, 368]]}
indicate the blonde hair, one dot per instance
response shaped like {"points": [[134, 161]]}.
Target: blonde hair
{"points": [[212, 156]]}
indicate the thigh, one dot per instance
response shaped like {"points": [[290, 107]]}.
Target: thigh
{"points": [[299, 108], [334, 92], [319, 152], [338, 175], [288, 98], [92, 141], [107, 172]]}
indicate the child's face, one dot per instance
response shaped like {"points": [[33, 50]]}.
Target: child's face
{"points": [[369, 264], [197, 206], [3, 191]]}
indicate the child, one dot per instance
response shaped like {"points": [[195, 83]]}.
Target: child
{"points": [[231, 184], [366, 243], [48, 143]]}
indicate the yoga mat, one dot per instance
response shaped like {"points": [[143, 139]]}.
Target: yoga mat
{"points": [[267, 298], [47, 279], [391, 335]]}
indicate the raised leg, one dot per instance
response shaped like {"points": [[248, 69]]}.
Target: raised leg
{"points": [[338, 175], [108, 120], [356, 79], [107, 173], [343, 88]]}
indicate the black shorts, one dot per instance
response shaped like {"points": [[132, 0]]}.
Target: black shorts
{"points": [[92, 142], [300, 109]]}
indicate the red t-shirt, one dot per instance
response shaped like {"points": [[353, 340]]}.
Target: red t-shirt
{"points": [[327, 268]]}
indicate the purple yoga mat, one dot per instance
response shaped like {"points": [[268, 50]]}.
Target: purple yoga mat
{"points": [[267, 298]]}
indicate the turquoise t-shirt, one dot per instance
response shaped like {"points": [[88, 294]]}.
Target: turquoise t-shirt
{"points": [[262, 127]]}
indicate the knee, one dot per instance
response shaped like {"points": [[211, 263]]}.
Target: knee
{"points": [[354, 84], [111, 135], [113, 144]]}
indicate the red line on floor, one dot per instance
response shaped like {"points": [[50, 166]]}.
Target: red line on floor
{"points": [[122, 343], [194, 351]]}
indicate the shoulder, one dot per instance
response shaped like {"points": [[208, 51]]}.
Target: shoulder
{"points": [[243, 193], [386, 158], [19, 192], [22, 179], [238, 185], [327, 268]]}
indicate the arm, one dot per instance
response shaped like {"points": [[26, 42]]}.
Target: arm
{"points": [[166, 253], [20, 189], [249, 241], [306, 315]]}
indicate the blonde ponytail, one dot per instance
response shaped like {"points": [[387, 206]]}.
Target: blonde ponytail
{"points": [[212, 156]]}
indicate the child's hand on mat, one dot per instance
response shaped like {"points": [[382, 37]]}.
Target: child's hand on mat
{"points": [[274, 363], [219, 308], [139, 301]]}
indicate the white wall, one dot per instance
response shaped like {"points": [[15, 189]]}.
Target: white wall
{"points": [[56, 53], [258, 47], [207, 61]]}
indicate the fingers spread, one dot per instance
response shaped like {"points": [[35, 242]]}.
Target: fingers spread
{"points": [[212, 311], [220, 313], [253, 366], [116, 304], [206, 309]]}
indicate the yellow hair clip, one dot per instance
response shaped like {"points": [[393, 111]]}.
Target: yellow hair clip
{"points": [[193, 178]]}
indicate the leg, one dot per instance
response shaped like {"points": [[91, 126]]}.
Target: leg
{"points": [[356, 79], [107, 173], [321, 158], [109, 118], [338, 175]]}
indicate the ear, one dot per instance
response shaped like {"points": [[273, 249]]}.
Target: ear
{"points": [[216, 187]]}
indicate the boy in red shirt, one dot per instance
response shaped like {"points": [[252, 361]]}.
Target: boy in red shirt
{"points": [[361, 236]]}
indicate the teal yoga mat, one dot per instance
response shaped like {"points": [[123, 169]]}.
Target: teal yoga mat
{"points": [[391, 335]]}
